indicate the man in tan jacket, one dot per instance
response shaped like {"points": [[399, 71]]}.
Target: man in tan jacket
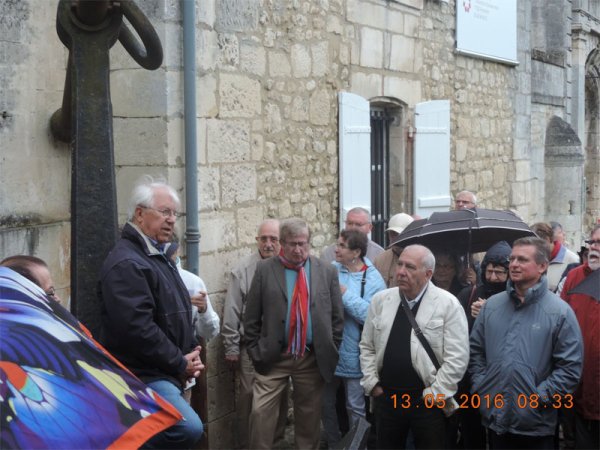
{"points": [[386, 262], [236, 356]]}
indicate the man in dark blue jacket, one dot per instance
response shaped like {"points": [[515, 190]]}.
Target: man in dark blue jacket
{"points": [[526, 354], [146, 309]]}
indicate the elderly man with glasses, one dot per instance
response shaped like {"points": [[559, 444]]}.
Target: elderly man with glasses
{"points": [[236, 356], [147, 311], [293, 323]]}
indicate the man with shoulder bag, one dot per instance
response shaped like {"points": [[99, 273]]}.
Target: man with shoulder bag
{"points": [[423, 328]]}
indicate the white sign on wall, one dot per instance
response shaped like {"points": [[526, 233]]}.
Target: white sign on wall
{"points": [[487, 29]]}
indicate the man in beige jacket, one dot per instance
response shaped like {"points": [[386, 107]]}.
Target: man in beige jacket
{"points": [[236, 356], [408, 391], [386, 262]]}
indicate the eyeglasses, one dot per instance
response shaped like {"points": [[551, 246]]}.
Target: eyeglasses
{"points": [[591, 242], [265, 239], [498, 272], [301, 244], [356, 224], [51, 292], [164, 212]]}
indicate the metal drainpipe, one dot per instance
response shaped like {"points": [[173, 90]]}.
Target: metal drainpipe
{"points": [[192, 232]]}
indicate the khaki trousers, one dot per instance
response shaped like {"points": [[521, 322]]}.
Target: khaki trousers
{"points": [[244, 403], [307, 392]]}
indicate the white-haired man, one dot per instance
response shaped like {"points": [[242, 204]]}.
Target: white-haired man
{"points": [[410, 392], [587, 311], [147, 311], [465, 200]]}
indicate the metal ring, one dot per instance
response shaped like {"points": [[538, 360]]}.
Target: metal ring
{"points": [[151, 55]]}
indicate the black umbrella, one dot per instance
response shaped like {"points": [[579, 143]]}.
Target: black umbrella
{"points": [[589, 286], [464, 231]]}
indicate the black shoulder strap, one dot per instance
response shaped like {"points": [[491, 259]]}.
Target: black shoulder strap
{"points": [[363, 282], [413, 323]]}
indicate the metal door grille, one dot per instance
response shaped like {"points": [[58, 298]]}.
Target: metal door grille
{"points": [[380, 199]]}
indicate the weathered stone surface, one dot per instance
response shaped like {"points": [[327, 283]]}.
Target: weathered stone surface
{"points": [[209, 188], [239, 184], [233, 15], [301, 61], [239, 96], [371, 48], [279, 64], [252, 58], [320, 107], [228, 141], [402, 57], [217, 231], [150, 140], [320, 59], [134, 93]]}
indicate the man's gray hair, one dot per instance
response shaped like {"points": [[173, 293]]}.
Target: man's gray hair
{"points": [[360, 210], [292, 227], [428, 259], [144, 190], [267, 222], [473, 196]]}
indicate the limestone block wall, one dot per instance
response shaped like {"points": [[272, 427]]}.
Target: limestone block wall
{"points": [[485, 110], [34, 169]]}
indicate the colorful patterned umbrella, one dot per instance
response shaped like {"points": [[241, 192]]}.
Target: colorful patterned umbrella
{"points": [[58, 387]]}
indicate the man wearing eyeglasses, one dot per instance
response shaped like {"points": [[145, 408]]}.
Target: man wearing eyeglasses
{"points": [[357, 219], [146, 309], [494, 275], [236, 356], [587, 311], [293, 328]]}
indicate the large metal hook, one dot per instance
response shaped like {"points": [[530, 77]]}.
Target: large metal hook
{"points": [[150, 56]]}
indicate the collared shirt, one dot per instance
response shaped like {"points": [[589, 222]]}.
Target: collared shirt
{"points": [[414, 301]]}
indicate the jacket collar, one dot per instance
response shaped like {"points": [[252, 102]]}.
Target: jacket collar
{"points": [[133, 233], [533, 294]]}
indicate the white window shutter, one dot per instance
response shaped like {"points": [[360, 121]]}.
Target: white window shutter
{"points": [[432, 157], [354, 154]]}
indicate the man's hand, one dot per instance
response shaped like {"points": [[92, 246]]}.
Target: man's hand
{"points": [[377, 391], [200, 302], [343, 289], [232, 361], [194, 364], [476, 307]]}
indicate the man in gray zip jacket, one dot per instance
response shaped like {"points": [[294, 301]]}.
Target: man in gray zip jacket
{"points": [[526, 354]]}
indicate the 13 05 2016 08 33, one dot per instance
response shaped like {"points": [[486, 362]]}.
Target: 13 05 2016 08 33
{"points": [[465, 401]]}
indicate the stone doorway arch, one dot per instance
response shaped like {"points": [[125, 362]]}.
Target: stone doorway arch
{"points": [[564, 166], [592, 140]]}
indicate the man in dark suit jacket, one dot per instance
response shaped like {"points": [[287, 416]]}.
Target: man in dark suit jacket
{"points": [[293, 323]]}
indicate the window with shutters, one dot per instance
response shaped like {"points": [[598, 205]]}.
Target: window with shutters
{"points": [[375, 163]]}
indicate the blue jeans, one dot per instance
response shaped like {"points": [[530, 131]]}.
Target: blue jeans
{"points": [[186, 432], [355, 406]]}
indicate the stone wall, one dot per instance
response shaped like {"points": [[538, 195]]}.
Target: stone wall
{"points": [[268, 77]]}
